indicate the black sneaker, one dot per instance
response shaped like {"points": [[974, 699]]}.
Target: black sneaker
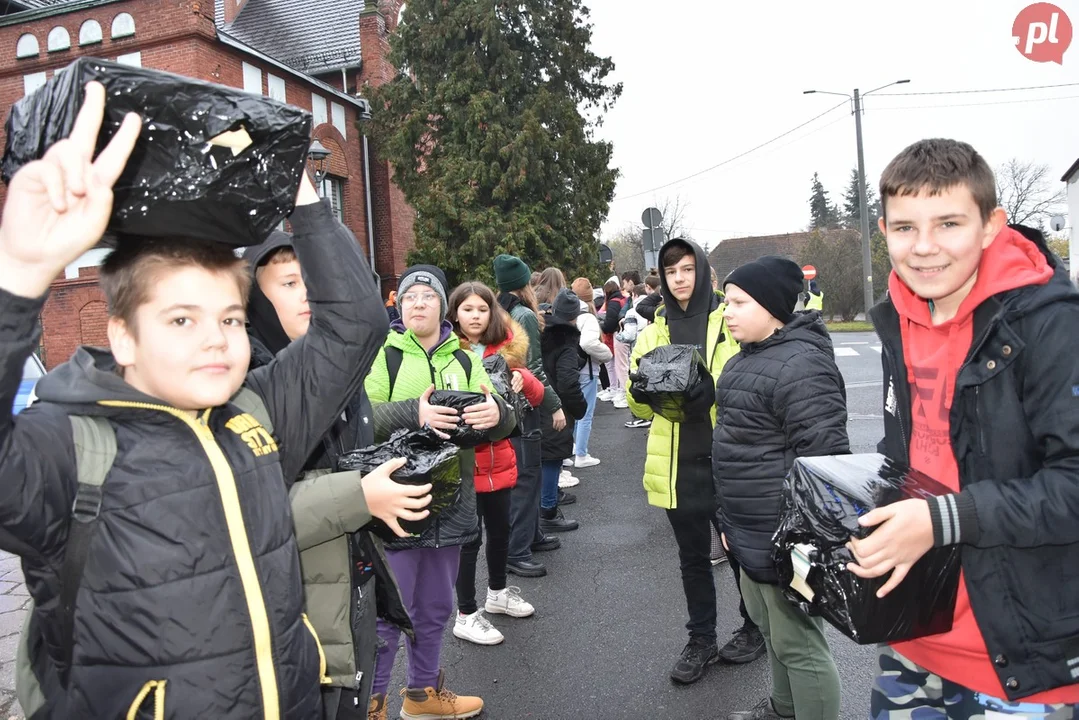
{"points": [[548, 543], [763, 711], [566, 498], [697, 655], [552, 521], [746, 646], [638, 423]]}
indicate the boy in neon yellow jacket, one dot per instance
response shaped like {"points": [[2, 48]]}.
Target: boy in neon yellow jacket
{"points": [[678, 465]]}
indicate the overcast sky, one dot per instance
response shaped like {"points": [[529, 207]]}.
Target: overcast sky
{"points": [[705, 80]]}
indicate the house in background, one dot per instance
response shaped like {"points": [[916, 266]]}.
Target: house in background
{"points": [[316, 54], [1071, 180], [734, 252]]}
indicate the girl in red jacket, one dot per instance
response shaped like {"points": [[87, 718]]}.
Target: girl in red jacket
{"points": [[485, 328]]}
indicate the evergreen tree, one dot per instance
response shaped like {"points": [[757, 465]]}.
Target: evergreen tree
{"points": [[823, 213], [851, 217], [491, 133]]}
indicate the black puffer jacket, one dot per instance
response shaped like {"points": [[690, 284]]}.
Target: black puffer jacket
{"points": [[193, 577], [560, 345], [777, 400]]}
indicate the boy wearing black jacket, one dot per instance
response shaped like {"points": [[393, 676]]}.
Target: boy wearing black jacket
{"points": [[347, 580], [191, 592], [780, 398], [981, 392]]}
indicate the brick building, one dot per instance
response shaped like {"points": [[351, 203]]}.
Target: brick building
{"points": [[315, 54]]}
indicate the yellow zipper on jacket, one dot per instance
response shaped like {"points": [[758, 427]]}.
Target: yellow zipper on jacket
{"points": [[241, 549]]}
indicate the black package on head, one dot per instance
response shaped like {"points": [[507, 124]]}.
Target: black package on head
{"points": [[430, 460], [502, 379], [824, 498], [666, 376], [463, 435], [211, 162]]}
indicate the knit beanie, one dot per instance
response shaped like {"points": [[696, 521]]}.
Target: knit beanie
{"points": [[774, 282], [511, 273], [427, 275], [565, 308]]}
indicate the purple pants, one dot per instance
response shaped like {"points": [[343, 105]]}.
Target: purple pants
{"points": [[426, 577]]}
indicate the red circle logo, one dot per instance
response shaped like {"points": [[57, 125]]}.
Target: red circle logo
{"points": [[1042, 32]]}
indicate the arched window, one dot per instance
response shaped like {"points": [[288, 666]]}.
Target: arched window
{"points": [[123, 25], [59, 39], [90, 32], [27, 46]]}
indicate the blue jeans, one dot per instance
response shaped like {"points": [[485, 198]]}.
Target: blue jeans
{"points": [[583, 431], [549, 496]]}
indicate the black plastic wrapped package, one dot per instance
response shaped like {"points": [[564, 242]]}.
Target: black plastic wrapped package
{"points": [[502, 379], [430, 459], [666, 376], [824, 497], [463, 435], [211, 162]]}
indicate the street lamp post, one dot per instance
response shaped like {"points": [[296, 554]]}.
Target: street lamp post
{"points": [[867, 253], [319, 154]]}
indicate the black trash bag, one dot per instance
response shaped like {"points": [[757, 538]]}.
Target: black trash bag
{"points": [[430, 460], [824, 497], [666, 377], [184, 177], [502, 379], [463, 435]]}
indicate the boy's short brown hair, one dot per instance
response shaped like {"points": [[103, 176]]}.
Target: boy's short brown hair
{"points": [[130, 272], [673, 253], [281, 255], [936, 165]]}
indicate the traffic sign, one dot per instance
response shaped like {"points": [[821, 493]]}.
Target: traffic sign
{"points": [[809, 272]]}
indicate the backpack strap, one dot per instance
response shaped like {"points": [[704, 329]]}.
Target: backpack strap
{"points": [[466, 364], [251, 403], [394, 357], [95, 451]]}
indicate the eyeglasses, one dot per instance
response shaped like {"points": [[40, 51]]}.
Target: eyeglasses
{"points": [[411, 299]]}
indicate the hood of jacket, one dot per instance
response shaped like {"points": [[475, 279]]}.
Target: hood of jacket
{"points": [[807, 326], [690, 326], [262, 321], [556, 336], [406, 340]]}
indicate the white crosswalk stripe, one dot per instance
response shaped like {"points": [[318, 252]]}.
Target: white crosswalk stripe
{"points": [[844, 351]]}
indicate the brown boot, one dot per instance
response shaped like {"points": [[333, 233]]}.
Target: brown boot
{"points": [[438, 703], [376, 708]]}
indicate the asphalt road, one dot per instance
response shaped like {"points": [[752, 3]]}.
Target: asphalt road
{"points": [[610, 615]]}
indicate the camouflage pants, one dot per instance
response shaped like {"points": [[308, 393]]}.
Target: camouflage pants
{"points": [[906, 691]]}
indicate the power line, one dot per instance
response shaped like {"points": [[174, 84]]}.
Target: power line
{"points": [[990, 90], [998, 102], [732, 159]]}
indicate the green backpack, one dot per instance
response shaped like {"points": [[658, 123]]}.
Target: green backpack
{"points": [[95, 451]]}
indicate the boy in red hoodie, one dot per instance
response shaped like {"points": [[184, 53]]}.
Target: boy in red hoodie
{"points": [[980, 347]]}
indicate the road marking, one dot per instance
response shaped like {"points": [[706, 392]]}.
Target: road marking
{"points": [[864, 384], [855, 343], [864, 416], [878, 348], [846, 352]]}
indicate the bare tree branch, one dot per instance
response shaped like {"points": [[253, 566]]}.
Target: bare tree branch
{"points": [[1026, 192]]}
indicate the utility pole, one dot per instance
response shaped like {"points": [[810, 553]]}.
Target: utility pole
{"points": [[863, 203], [867, 253]]}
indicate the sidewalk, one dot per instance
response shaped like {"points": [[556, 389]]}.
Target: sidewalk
{"points": [[13, 602]]}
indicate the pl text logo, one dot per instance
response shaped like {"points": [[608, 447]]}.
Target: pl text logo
{"points": [[1042, 32]]}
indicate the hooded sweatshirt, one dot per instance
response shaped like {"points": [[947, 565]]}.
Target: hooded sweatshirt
{"points": [[353, 428], [690, 327], [934, 355]]}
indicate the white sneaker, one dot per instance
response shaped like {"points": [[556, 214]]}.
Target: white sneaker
{"points": [[605, 395], [565, 480], [508, 602], [585, 461], [620, 402], [475, 628], [568, 462]]}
